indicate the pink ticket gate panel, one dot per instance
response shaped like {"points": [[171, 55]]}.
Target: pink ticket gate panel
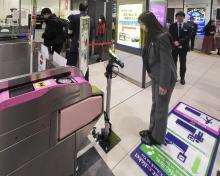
{"points": [[44, 119]]}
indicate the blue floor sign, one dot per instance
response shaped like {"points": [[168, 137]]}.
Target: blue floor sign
{"points": [[192, 141]]}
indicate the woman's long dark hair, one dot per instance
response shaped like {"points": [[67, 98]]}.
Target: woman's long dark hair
{"points": [[102, 18], [152, 24], [208, 26], [210, 22]]}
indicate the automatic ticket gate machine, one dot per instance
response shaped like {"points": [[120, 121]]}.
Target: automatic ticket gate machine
{"points": [[44, 118]]}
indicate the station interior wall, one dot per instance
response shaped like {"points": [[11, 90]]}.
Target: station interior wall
{"points": [[5, 6], [175, 4]]}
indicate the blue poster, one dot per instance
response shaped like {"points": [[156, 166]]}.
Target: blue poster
{"points": [[114, 7], [199, 16]]}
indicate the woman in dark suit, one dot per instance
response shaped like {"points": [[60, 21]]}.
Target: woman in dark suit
{"points": [[157, 58]]}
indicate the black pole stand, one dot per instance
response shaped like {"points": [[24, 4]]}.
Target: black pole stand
{"points": [[107, 139]]}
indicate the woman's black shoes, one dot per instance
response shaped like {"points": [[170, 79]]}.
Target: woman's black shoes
{"points": [[146, 138], [182, 81], [149, 140], [99, 59], [145, 133]]}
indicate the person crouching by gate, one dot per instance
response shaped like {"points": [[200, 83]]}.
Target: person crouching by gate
{"points": [[157, 58], [100, 36], [53, 35]]}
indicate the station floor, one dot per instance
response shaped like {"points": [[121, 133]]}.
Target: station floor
{"points": [[130, 107]]}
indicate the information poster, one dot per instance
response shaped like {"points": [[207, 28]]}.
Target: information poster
{"points": [[159, 8], [114, 8], [84, 44], [199, 15], [128, 26]]}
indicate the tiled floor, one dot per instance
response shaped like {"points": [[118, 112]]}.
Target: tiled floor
{"points": [[91, 164], [130, 107]]}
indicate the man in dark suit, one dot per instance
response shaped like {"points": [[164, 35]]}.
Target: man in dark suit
{"points": [[181, 33], [194, 27]]}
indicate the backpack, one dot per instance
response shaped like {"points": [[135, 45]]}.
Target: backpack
{"points": [[64, 24]]}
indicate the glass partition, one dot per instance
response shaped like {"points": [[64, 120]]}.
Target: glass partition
{"points": [[8, 12], [14, 18]]}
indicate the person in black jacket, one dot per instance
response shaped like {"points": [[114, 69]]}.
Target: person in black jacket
{"points": [[158, 61], [53, 35], [209, 38], [194, 28], [75, 27], [181, 33]]}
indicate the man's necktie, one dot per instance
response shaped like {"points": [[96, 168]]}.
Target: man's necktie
{"points": [[179, 29]]}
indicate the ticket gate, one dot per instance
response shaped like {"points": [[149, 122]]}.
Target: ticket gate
{"points": [[44, 118]]}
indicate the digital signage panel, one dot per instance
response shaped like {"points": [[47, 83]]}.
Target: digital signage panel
{"points": [[159, 8], [199, 15], [128, 26]]}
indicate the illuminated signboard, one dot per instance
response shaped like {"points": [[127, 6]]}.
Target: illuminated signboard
{"points": [[199, 16], [159, 8], [128, 26], [114, 7]]}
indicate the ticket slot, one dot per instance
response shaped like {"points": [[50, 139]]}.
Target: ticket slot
{"points": [[21, 90]]}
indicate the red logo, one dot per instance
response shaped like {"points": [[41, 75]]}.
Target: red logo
{"points": [[41, 59]]}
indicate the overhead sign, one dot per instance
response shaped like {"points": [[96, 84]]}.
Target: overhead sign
{"points": [[128, 26], [192, 140]]}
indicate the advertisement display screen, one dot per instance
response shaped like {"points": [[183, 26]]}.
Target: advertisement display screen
{"points": [[128, 26], [199, 16], [159, 8]]}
